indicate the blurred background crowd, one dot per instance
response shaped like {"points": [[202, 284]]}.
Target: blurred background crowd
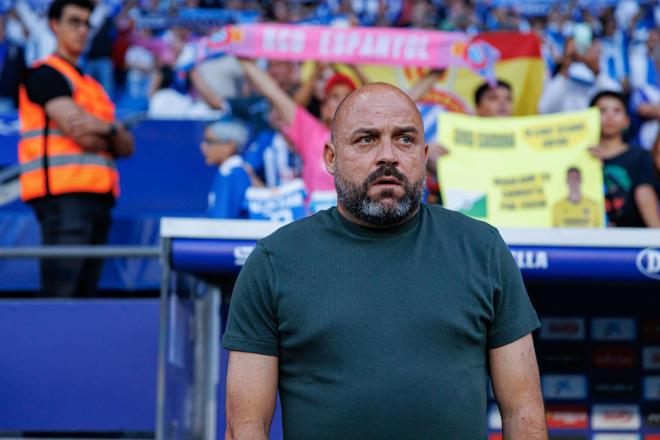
{"points": [[137, 46]]}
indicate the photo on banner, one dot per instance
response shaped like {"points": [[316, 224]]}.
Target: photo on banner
{"points": [[532, 171]]}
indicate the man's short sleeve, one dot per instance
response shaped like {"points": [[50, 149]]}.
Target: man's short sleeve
{"points": [[252, 324], [646, 172], [514, 316], [45, 83]]}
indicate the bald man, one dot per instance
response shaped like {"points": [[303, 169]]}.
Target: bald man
{"points": [[382, 318]]}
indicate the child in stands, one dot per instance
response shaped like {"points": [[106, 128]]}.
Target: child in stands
{"points": [[631, 199]]}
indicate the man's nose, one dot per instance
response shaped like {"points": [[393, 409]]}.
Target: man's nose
{"points": [[387, 153]]}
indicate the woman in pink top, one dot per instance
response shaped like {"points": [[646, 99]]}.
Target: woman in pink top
{"points": [[307, 133]]}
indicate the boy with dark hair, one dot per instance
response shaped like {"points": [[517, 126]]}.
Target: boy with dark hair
{"points": [[492, 101], [57, 7], [630, 198]]}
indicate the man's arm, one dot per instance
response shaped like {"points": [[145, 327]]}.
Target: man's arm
{"points": [[89, 131], [267, 86], [647, 203], [205, 90], [28, 17], [515, 377], [251, 395], [655, 154], [424, 84], [306, 91]]}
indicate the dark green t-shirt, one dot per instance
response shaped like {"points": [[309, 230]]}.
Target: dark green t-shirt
{"points": [[381, 334]]}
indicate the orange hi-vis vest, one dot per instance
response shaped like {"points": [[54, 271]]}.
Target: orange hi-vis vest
{"points": [[54, 164]]}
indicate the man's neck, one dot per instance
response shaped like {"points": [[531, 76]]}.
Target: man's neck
{"points": [[68, 56]]}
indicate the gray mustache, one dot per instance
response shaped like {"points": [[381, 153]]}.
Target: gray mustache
{"points": [[385, 171]]}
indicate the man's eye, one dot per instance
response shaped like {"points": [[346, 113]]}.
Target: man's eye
{"points": [[406, 139], [366, 140]]}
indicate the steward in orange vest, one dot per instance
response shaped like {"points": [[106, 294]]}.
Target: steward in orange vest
{"points": [[53, 163], [67, 150]]}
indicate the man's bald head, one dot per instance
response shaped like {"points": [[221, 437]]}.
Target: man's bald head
{"points": [[372, 95]]}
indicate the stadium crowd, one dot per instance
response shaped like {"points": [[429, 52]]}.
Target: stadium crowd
{"points": [[603, 53]]}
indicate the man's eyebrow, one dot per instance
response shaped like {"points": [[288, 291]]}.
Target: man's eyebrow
{"points": [[406, 129], [368, 131]]}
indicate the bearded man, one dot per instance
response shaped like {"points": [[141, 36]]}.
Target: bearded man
{"points": [[382, 318]]}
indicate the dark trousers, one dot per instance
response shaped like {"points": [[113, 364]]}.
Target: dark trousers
{"points": [[72, 219]]}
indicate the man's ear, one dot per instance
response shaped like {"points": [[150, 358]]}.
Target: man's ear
{"points": [[329, 157], [52, 24]]}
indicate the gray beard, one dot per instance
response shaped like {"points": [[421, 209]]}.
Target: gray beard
{"points": [[354, 198]]}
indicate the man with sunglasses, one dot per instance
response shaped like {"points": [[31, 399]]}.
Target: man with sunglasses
{"points": [[68, 147]]}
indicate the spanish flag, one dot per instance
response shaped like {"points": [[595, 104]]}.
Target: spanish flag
{"points": [[520, 63]]}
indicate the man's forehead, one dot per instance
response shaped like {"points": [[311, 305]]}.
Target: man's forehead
{"points": [[377, 108], [75, 10]]}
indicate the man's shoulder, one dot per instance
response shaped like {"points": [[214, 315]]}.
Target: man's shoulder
{"points": [[457, 218], [42, 72], [295, 234], [461, 225], [639, 153], [631, 155]]}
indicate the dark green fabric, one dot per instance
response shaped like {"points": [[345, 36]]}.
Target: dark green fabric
{"points": [[381, 334]]}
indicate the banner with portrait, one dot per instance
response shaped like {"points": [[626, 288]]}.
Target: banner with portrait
{"points": [[532, 171]]}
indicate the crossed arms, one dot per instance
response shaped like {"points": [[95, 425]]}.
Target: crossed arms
{"points": [[90, 132]]}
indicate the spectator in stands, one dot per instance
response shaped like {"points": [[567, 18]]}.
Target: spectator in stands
{"points": [[495, 101], [579, 78], [645, 94], [217, 79], [222, 146], [141, 65], [630, 181], [168, 100], [40, 40], [69, 143], [304, 131], [460, 16], [12, 65], [576, 210], [489, 101], [98, 58], [614, 51], [270, 155]]}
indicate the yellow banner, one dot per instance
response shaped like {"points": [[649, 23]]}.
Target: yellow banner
{"points": [[532, 171]]}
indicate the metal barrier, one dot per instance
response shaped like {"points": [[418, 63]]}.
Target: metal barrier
{"points": [[189, 355], [80, 252]]}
